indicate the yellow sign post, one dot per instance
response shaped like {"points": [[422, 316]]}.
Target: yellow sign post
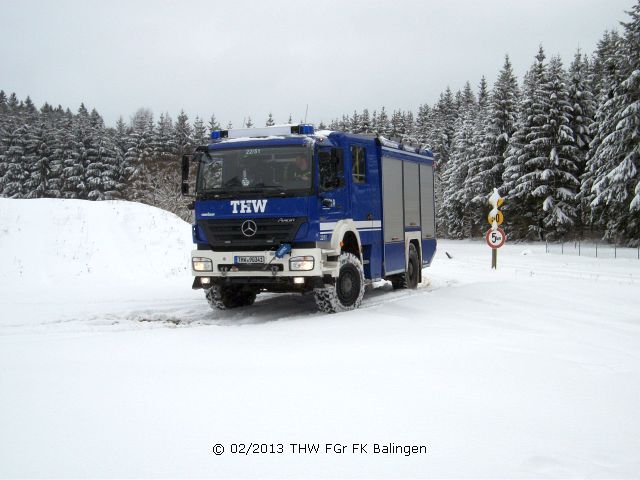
{"points": [[495, 236]]}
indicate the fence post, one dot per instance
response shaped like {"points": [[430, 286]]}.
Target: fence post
{"points": [[596, 249], [546, 246], [578, 248], [562, 248], [615, 251]]}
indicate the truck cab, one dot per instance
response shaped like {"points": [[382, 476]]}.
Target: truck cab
{"points": [[289, 209]]}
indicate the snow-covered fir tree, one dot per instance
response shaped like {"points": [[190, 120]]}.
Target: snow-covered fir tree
{"points": [[374, 122], [409, 135], [494, 130], [442, 132], [453, 209], [354, 123], [270, 121], [579, 84], [90, 156], [474, 196], [140, 148], [525, 154], [164, 145], [397, 125], [213, 124], [183, 134], [444, 117], [582, 104], [37, 161], [423, 123], [629, 125], [345, 124], [120, 137], [113, 185], [541, 172], [559, 182], [616, 146], [74, 170], [14, 173], [66, 159], [365, 122], [200, 136], [607, 63], [383, 126]]}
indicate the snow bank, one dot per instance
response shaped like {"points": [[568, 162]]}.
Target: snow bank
{"points": [[75, 249]]}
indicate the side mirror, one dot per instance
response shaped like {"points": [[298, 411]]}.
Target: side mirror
{"points": [[184, 187]]}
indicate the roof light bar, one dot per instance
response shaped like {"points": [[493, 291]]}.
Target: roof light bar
{"points": [[302, 129], [278, 130]]}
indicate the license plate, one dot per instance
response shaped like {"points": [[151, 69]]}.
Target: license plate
{"points": [[248, 259]]}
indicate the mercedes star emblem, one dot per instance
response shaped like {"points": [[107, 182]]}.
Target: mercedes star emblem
{"points": [[249, 228]]}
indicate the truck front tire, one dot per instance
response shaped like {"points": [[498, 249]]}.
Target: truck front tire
{"points": [[347, 291], [223, 297]]}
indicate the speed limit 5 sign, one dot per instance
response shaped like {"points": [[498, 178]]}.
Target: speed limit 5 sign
{"points": [[495, 238]]}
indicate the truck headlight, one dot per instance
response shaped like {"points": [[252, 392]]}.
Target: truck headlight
{"points": [[202, 264], [301, 263]]}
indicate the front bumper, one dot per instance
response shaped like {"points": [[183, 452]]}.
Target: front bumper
{"points": [[223, 264]]}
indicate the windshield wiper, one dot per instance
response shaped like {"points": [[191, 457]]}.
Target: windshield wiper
{"points": [[224, 193], [261, 189], [211, 195], [231, 182], [269, 187]]}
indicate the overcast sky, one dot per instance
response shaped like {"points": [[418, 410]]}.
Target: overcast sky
{"points": [[241, 58]]}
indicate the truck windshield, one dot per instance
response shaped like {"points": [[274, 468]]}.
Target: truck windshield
{"points": [[280, 169]]}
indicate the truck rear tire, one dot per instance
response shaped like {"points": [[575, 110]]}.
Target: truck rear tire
{"points": [[408, 279], [223, 297], [347, 291]]}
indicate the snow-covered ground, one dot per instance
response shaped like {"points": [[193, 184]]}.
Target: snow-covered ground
{"points": [[110, 365]]}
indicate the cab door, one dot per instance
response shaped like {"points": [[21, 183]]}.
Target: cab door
{"points": [[365, 205], [333, 198], [361, 195]]}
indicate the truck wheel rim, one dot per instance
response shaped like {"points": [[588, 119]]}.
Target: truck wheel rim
{"points": [[348, 287]]}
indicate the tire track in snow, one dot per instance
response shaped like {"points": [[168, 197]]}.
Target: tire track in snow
{"points": [[195, 312]]}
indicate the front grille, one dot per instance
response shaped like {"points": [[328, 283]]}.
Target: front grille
{"points": [[270, 232]]}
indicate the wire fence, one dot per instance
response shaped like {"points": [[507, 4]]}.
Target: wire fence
{"points": [[592, 249]]}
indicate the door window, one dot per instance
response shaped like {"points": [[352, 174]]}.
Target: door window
{"points": [[358, 164], [331, 166]]}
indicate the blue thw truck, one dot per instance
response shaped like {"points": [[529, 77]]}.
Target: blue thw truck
{"points": [[291, 209]]}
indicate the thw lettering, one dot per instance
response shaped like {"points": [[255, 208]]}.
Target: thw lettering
{"points": [[248, 206]]}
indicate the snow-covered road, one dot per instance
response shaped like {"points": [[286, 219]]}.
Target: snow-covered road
{"points": [[529, 371]]}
